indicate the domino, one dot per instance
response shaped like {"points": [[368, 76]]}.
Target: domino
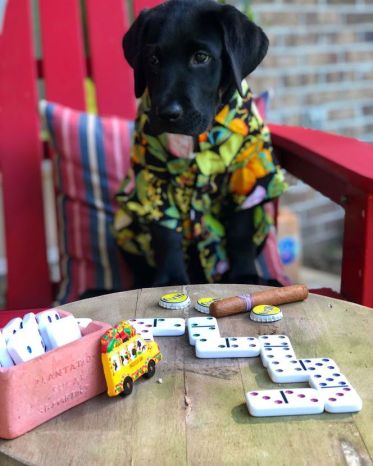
{"points": [[5, 359], [44, 319], [162, 327], [285, 402], [83, 322], [338, 394], [275, 347], [202, 327], [228, 347], [24, 345], [29, 321], [298, 370], [12, 327], [62, 331], [145, 332]]}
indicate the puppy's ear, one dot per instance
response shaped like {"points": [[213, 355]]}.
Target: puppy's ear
{"points": [[133, 42], [245, 43]]}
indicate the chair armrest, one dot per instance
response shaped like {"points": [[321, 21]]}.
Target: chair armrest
{"points": [[330, 163]]}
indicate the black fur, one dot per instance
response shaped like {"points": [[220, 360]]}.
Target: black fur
{"points": [[161, 47]]}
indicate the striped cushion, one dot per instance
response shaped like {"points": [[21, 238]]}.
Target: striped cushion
{"points": [[91, 157]]}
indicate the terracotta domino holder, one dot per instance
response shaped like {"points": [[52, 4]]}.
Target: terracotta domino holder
{"points": [[38, 390]]}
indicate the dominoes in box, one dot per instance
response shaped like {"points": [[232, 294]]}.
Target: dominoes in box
{"points": [[5, 359], [228, 347], [298, 370], [338, 394], [274, 347]]}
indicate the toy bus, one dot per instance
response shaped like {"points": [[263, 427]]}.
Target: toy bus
{"points": [[126, 356]]}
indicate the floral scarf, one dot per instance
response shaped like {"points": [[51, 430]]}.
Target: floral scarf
{"points": [[190, 185]]}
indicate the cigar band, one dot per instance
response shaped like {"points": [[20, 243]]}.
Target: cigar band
{"points": [[247, 300]]}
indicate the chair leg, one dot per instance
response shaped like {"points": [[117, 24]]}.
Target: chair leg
{"points": [[357, 263]]}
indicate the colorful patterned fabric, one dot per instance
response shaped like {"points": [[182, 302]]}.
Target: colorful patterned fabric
{"points": [[192, 191], [91, 156]]}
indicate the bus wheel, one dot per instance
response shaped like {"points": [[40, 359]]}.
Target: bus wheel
{"points": [[127, 386], [151, 369]]}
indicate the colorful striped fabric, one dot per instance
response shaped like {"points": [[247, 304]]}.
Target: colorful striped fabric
{"points": [[91, 156]]}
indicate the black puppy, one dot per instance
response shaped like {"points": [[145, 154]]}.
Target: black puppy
{"points": [[189, 59]]}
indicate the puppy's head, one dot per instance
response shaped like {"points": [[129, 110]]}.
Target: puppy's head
{"points": [[191, 55]]}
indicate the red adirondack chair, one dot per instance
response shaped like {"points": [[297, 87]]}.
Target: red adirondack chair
{"points": [[341, 168]]}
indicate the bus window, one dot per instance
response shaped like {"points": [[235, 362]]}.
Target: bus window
{"points": [[132, 350], [115, 363], [124, 357]]}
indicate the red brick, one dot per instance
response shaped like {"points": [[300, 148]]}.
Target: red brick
{"points": [[324, 17], [339, 76], [338, 96], [358, 18], [267, 18], [300, 79], [343, 113], [320, 58], [368, 110], [358, 55]]}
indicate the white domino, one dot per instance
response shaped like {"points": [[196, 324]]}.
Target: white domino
{"points": [[161, 326], [284, 402], [228, 347], [29, 321], [146, 333], [298, 370], [62, 331], [44, 319], [202, 327], [12, 327], [25, 345], [275, 347], [5, 359], [338, 394], [83, 322]]}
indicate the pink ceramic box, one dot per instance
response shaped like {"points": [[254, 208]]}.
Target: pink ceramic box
{"points": [[38, 390]]}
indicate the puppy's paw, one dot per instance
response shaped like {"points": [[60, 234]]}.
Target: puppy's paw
{"points": [[165, 279]]}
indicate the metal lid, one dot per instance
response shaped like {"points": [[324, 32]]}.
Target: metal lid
{"points": [[203, 304], [266, 313], [174, 301]]}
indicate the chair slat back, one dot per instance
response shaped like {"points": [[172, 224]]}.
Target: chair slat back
{"points": [[139, 5], [63, 52], [106, 23], [20, 158]]}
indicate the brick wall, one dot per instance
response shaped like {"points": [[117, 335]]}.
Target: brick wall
{"points": [[320, 63]]}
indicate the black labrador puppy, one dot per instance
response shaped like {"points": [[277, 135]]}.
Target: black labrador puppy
{"points": [[189, 59]]}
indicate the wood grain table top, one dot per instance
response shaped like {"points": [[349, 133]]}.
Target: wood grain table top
{"points": [[198, 415]]}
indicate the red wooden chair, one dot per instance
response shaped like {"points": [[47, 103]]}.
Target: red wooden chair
{"points": [[339, 167]]}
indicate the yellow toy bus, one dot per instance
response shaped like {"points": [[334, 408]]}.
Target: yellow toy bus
{"points": [[126, 356]]}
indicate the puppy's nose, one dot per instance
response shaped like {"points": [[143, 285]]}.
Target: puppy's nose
{"points": [[171, 112]]}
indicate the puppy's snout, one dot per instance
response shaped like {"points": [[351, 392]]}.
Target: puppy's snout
{"points": [[170, 112]]}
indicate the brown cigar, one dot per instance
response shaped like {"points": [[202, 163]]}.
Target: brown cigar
{"points": [[244, 303]]}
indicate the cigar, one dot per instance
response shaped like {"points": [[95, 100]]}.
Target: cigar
{"points": [[244, 303]]}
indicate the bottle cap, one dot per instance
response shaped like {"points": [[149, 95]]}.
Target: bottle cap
{"points": [[174, 301], [203, 304], [266, 313]]}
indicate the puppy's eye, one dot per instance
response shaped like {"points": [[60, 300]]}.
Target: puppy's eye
{"points": [[200, 58], [154, 60]]}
